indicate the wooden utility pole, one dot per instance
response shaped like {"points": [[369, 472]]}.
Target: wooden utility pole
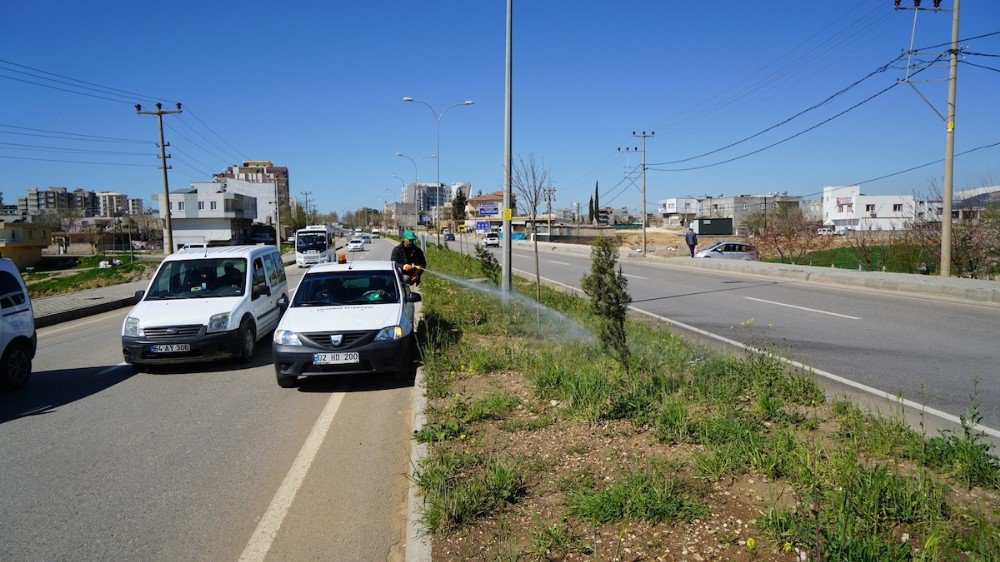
{"points": [[168, 239]]}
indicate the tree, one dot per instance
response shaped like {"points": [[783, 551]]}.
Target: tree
{"points": [[609, 298], [590, 211], [531, 180], [785, 232], [458, 217], [597, 202]]}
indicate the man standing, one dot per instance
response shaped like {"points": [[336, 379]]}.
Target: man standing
{"points": [[692, 240], [408, 256]]}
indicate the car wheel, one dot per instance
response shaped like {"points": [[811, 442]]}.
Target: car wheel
{"points": [[248, 341], [16, 365], [287, 381]]}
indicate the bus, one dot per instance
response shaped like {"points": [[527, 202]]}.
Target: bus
{"points": [[314, 244]]}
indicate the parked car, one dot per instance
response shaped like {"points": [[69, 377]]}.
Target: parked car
{"points": [[448, 236], [346, 319], [206, 305], [356, 245], [728, 250], [491, 239], [18, 339]]}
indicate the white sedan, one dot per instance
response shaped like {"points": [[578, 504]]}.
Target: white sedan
{"points": [[356, 245]]}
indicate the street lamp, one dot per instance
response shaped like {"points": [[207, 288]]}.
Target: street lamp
{"points": [[416, 215], [437, 122]]}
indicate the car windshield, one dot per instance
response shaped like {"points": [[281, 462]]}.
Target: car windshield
{"points": [[714, 246], [305, 242], [204, 278], [335, 288], [355, 241]]}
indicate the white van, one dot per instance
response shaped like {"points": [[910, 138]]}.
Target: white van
{"points": [[18, 341], [208, 304]]}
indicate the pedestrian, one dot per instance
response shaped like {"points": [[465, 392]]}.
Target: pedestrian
{"points": [[408, 256], [692, 240]]}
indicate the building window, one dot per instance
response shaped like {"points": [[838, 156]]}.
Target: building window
{"points": [[869, 207], [897, 207], [212, 205], [201, 205], [746, 206], [180, 205]]}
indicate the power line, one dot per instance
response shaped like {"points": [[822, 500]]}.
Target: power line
{"points": [[65, 90], [980, 65], [200, 147], [828, 99], [44, 148], [238, 151], [110, 89], [938, 161], [80, 161], [948, 44], [192, 158], [206, 139], [88, 137]]}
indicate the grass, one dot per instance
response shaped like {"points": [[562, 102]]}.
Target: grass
{"points": [[859, 488], [87, 279]]}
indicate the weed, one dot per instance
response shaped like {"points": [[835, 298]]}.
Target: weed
{"points": [[654, 493], [493, 406], [965, 456], [459, 487], [533, 424], [556, 540]]}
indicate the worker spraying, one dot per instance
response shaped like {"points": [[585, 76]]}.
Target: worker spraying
{"points": [[409, 259]]}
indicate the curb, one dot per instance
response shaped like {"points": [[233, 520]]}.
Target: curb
{"points": [[417, 547]]}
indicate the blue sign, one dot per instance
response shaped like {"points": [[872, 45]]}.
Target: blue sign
{"points": [[482, 226], [488, 209]]}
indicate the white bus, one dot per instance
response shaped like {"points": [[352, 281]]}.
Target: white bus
{"points": [[315, 244]]}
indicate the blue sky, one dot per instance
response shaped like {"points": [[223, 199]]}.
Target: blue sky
{"points": [[318, 87]]}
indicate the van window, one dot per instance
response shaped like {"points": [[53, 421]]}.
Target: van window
{"points": [[276, 271], [259, 277], [11, 294]]}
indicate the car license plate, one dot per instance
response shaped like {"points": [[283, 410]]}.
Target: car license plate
{"points": [[335, 358], [172, 348]]}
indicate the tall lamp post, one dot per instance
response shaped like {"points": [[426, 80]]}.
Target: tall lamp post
{"points": [[416, 212], [437, 123]]}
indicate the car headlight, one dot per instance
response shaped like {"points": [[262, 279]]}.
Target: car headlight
{"points": [[389, 333], [218, 322], [131, 327], [286, 337]]}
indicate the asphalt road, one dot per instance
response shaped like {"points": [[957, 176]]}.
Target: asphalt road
{"points": [[201, 462], [927, 350]]}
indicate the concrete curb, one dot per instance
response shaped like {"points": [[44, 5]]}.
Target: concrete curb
{"points": [[973, 290], [418, 543]]}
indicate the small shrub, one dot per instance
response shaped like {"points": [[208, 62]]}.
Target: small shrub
{"points": [[488, 264], [609, 299]]}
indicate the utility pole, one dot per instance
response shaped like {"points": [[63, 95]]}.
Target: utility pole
{"points": [[643, 135], [168, 240], [549, 192], [506, 282], [305, 195], [949, 119]]}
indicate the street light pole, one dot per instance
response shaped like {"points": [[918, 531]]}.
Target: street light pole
{"points": [[416, 219], [437, 122], [506, 282]]}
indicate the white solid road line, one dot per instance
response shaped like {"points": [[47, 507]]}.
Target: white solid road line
{"points": [[785, 360], [804, 308], [635, 276], [559, 262], [267, 529]]}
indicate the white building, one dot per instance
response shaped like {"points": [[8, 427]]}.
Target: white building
{"points": [[111, 204], [204, 213], [262, 192], [679, 210], [846, 208], [136, 206]]}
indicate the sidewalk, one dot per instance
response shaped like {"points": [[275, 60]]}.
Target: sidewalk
{"points": [[71, 306]]}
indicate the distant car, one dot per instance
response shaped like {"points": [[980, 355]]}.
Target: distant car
{"points": [[365, 239], [448, 236], [197, 246], [356, 245], [262, 237], [17, 329], [347, 319], [376, 233], [491, 239], [826, 232], [729, 250]]}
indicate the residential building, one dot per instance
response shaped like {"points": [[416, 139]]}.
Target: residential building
{"points": [[679, 210], [23, 242], [37, 202], [846, 208], [262, 192], [111, 203], [260, 171], [136, 206], [482, 205], [204, 213]]}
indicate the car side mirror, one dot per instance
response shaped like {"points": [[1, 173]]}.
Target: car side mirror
{"points": [[139, 295], [413, 297]]}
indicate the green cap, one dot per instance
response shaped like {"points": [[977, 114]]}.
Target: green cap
{"points": [[409, 235]]}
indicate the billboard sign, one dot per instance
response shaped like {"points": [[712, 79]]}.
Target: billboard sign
{"points": [[490, 209], [482, 226]]}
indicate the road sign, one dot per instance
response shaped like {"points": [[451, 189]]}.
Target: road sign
{"points": [[507, 214], [490, 209], [482, 226]]}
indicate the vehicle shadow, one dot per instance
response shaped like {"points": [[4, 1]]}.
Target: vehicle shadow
{"points": [[694, 293], [46, 391], [261, 357], [353, 383]]}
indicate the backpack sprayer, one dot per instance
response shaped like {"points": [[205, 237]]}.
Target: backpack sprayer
{"points": [[413, 271]]}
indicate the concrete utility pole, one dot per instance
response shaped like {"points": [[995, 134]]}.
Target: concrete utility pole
{"points": [[277, 215], [305, 195], [949, 119], [168, 240], [643, 135], [549, 192], [506, 282]]}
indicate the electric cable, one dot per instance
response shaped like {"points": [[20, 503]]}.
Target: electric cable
{"points": [[44, 148], [980, 65], [192, 141], [203, 124], [95, 138], [206, 139], [126, 92], [65, 90], [79, 161], [938, 161]]}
